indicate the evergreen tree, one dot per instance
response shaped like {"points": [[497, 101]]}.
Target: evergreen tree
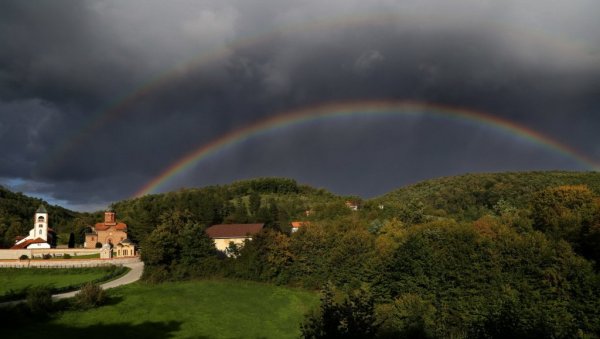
{"points": [[71, 240]]}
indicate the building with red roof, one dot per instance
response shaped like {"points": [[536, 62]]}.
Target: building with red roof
{"points": [[225, 234], [297, 224], [108, 232]]}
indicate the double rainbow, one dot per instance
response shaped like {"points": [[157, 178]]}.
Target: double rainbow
{"points": [[120, 105], [360, 108]]}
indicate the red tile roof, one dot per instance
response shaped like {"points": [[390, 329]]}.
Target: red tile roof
{"points": [[298, 224], [103, 226], [233, 230], [28, 242]]}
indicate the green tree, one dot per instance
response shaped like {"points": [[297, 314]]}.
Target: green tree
{"points": [[71, 240], [180, 246], [354, 317], [254, 203], [408, 316]]}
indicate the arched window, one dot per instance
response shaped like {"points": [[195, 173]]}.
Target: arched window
{"points": [[40, 231], [40, 219]]}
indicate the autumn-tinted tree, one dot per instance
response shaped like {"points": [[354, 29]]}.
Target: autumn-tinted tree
{"points": [[563, 212]]}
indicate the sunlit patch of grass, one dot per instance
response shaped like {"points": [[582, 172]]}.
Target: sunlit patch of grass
{"points": [[194, 309]]}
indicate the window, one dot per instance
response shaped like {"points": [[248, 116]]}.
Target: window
{"points": [[40, 231], [40, 225], [40, 219]]}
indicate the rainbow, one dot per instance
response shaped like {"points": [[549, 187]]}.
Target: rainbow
{"points": [[121, 104], [371, 108]]}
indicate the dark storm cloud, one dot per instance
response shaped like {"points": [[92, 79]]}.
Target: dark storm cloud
{"points": [[64, 63]]}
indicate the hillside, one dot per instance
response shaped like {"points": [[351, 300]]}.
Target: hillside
{"points": [[277, 201], [470, 196], [274, 201]]}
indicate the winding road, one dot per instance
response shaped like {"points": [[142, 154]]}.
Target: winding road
{"points": [[137, 268]]}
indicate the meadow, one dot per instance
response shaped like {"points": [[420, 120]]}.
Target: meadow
{"points": [[15, 281], [192, 309]]}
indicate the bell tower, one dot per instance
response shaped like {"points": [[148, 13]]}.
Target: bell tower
{"points": [[40, 225], [109, 217]]}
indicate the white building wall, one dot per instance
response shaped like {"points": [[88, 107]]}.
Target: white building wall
{"points": [[222, 243], [38, 246]]}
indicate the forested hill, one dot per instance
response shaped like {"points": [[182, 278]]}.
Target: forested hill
{"points": [[274, 201], [470, 196], [16, 215], [277, 201]]}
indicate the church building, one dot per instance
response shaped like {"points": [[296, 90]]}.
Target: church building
{"points": [[110, 232], [40, 236]]}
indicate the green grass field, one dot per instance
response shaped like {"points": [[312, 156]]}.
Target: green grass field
{"points": [[19, 278], [16, 280], [196, 309]]}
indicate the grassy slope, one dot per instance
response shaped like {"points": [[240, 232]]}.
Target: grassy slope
{"points": [[196, 309], [19, 278]]}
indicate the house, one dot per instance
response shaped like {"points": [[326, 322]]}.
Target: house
{"points": [[224, 234], [40, 236], [352, 205], [108, 232], [297, 224]]}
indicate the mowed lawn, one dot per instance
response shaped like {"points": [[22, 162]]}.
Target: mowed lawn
{"points": [[17, 279], [194, 309]]}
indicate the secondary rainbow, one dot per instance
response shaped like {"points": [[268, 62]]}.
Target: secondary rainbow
{"points": [[119, 105], [370, 108]]}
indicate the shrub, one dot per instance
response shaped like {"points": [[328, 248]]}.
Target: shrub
{"points": [[23, 257], [39, 300], [98, 245], [91, 295], [67, 256], [47, 256]]}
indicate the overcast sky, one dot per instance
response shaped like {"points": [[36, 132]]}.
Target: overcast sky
{"points": [[99, 97]]}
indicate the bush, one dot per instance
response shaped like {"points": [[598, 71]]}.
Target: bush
{"points": [[98, 245], [67, 256], [47, 256], [91, 295], [39, 300], [23, 257]]}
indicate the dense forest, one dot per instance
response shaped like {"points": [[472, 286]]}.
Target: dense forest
{"points": [[478, 255]]}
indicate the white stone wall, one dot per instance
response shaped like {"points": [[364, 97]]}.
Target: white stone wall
{"points": [[15, 254]]}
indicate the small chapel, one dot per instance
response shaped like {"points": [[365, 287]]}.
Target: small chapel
{"points": [[110, 232], [40, 236]]}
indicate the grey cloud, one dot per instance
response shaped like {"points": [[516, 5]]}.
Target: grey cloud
{"points": [[210, 68]]}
